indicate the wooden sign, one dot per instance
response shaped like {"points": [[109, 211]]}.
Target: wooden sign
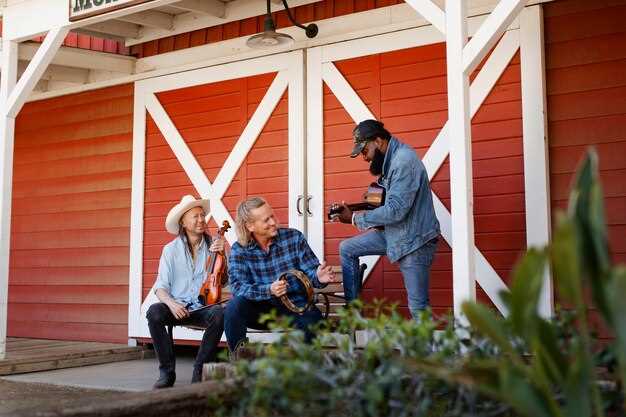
{"points": [[81, 9]]}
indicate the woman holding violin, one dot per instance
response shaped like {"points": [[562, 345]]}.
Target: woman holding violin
{"points": [[192, 270]]}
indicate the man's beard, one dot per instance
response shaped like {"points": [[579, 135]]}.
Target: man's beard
{"points": [[376, 166]]}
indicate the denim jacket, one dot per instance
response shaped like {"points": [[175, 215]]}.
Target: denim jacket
{"points": [[408, 214]]}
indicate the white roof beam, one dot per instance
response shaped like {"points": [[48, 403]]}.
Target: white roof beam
{"points": [[81, 58], [187, 22], [150, 18], [114, 27], [211, 7], [60, 73]]}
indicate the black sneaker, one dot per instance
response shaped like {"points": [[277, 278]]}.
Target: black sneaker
{"points": [[166, 380]]}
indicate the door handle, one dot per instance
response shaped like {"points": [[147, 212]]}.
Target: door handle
{"points": [[298, 201], [308, 200]]}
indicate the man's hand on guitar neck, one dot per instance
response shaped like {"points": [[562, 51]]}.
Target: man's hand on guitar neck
{"points": [[345, 216]]}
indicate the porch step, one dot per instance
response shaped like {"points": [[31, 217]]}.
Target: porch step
{"points": [[34, 355]]}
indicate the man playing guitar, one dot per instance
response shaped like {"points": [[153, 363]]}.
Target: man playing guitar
{"points": [[404, 227]]}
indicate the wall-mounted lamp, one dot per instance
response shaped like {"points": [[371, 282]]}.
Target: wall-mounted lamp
{"points": [[270, 38]]}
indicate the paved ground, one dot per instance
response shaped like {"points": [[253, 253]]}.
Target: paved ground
{"points": [[67, 387], [137, 375]]}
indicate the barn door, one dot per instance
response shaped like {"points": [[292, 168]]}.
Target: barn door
{"points": [[400, 79], [224, 133]]}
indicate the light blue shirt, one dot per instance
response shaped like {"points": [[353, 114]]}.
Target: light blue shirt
{"points": [[179, 275]]}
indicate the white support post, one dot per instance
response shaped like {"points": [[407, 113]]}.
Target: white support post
{"points": [[35, 69], [490, 31], [536, 171], [7, 132], [464, 281]]}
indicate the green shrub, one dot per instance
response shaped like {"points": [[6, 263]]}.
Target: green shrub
{"points": [[292, 378]]}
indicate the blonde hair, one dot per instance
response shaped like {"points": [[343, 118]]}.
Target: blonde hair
{"points": [[244, 215]]}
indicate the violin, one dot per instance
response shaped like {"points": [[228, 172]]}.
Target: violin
{"points": [[211, 290], [373, 198]]}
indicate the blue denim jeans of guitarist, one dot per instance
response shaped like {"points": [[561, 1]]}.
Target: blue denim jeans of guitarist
{"points": [[415, 267]]}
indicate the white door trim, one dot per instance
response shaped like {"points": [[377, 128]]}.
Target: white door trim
{"points": [[290, 78]]}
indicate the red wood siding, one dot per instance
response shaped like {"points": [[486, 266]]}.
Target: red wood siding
{"points": [[406, 90], [310, 12], [70, 217], [211, 118], [586, 87]]}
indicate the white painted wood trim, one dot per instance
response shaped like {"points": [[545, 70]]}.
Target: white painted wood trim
{"points": [[358, 27], [8, 81], [234, 11], [135, 273], [315, 150], [489, 33], [431, 12], [296, 98], [80, 58], [228, 71], [461, 186], [535, 139], [35, 69]]}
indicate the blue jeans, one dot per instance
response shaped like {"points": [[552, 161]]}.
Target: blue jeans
{"points": [[415, 267], [242, 313]]}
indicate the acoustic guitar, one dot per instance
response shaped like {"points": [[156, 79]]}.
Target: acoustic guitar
{"points": [[373, 198]]}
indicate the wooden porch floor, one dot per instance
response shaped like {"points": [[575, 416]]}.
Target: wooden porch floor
{"points": [[32, 355]]}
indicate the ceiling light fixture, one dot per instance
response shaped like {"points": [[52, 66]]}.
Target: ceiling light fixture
{"points": [[269, 38]]}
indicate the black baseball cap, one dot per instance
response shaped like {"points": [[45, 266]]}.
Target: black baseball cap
{"points": [[364, 132]]}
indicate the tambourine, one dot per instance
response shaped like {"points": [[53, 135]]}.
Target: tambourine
{"points": [[306, 283]]}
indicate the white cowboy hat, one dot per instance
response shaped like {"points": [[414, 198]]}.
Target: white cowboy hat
{"points": [[186, 203]]}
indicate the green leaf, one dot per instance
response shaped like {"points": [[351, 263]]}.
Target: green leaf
{"points": [[526, 398], [565, 262], [525, 290], [616, 294], [548, 359], [586, 209], [578, 383], [485, 321]]}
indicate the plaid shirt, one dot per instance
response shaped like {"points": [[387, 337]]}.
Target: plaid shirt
{"points": [[252, 270]]}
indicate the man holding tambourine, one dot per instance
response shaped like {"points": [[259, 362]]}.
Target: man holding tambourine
{"points": [[270, 268]]}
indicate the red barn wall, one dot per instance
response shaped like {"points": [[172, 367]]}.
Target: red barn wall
{"points": [[586, 87], [68, 276]]}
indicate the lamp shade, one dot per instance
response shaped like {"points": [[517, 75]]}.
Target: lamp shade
{"points": [[269, 39]]}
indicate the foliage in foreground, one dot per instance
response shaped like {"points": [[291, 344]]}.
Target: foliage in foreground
{"points": [[522, 365], [544, 368], [292, 378]]}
